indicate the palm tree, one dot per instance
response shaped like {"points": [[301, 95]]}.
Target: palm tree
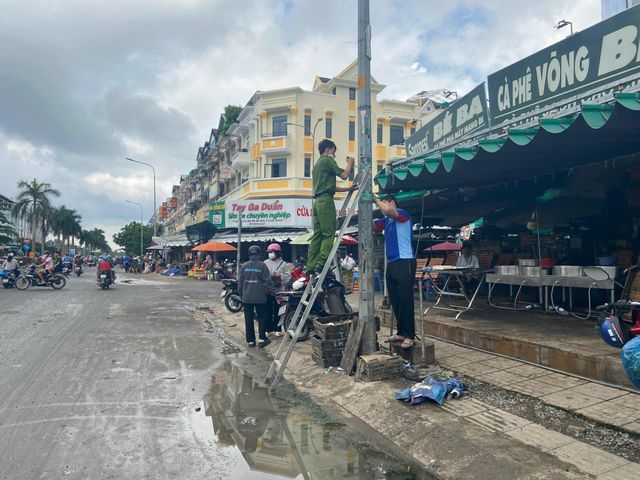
{"points": [[65, 223], [33, 204], [93, 240]]}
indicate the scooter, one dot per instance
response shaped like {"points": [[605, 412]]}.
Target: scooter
{"points": [[66, 269], [78, 270], [615, 329], [230, 295], [104, 279], [30, 279], [8, 278], [330, 301]]}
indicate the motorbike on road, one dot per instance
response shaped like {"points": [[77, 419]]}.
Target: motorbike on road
{"points": [[104, 279], [8, 278], [230, 295], [28, 279], [66, 269], [78, 270]]}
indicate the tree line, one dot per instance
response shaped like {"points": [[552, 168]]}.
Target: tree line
{"points": [[33, 206]]}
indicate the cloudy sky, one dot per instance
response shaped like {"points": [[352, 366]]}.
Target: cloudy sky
{"points": [[85, 83]]}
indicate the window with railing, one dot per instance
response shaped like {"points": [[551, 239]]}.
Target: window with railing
{"points": [[279, 126], [328, 127], [307, 125], [352, 93], [278, 167], [352, 130]]}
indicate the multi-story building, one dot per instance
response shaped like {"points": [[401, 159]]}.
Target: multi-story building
{"points": [[610, 7], [273, 145]]}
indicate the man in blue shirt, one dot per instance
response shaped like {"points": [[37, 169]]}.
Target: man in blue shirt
{"points": [[401, 266]]}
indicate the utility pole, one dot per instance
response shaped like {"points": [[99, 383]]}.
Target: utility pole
{"points": [[365, 208]]}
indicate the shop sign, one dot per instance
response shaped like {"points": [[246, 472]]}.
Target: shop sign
{"points": [[271, 213], [465, 116], [216, 214], [225, 172], [569, 70]]}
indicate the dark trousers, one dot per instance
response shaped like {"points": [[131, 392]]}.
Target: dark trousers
{"points": [[272, 314], [255, 311], [400, 277]]}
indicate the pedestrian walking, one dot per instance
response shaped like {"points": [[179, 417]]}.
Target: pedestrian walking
{"points": [[324, 176], [254, 282], [401, 267], [280, 275]]}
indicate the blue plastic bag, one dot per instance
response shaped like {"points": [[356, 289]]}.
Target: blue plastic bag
{"points": [[630, 356], [431, 389]]}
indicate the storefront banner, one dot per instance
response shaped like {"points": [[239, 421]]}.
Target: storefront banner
{"points": [[216, 214], [465, 116], [288, 212], [567, 70]]}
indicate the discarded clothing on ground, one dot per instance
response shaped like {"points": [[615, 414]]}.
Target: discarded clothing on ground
{"points": [[431, 389], [630, 356]]}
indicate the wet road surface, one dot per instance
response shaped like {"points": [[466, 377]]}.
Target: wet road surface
{"points": [[126, 383]]}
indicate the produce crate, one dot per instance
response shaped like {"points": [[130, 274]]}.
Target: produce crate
{"points": [[378, 367], [325, 362], [331, 328]]}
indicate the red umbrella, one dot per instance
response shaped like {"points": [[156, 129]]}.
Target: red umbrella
{"points": [[443, 247], [348, 240]]}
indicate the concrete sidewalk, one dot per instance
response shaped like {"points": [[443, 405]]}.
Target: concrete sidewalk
{"points": [[477, 436]]}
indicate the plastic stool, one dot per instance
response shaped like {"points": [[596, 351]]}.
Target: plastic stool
{"points": [[377, 281]]}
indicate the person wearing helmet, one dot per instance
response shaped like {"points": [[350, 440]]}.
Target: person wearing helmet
{"points": [[11, 264], [280, 275], [46, 266], [254, 281]]}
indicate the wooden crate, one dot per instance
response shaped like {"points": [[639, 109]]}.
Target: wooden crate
{"points": [[377, 367], [326, 361], [333, 327]]}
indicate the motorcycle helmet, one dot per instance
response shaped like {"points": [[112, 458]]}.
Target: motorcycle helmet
{"points": [[254, 252], [274, 247], [611, 331], [299, 283], [9, 255]]}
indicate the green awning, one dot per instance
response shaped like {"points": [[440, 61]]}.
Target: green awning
{"points": [[598, 132]]}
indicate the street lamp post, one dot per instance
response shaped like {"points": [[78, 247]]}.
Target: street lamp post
{"points": [[563, 23], [313, 137], [155, 213], [141, 228]]}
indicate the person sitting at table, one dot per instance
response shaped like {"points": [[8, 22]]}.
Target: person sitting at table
{"points": [[468, 259]]}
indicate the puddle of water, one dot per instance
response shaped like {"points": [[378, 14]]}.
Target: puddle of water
{"points": [[266, 437]]}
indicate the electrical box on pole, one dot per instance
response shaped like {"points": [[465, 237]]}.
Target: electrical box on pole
{"points": [[365, 207]]}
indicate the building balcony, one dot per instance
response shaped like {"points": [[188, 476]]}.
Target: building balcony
{"points": [[397, 151], [240, 159], [275, 143]]}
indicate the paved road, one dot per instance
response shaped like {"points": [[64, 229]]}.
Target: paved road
{"points": [[105, 384]]}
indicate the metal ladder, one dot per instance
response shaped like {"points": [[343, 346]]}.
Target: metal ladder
{"points": [[303, 310]]}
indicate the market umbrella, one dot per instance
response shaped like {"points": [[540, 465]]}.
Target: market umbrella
{"points": [[214, 247], [349, 240], [444, 247]]}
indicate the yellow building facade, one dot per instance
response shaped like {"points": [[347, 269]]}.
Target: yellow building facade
{"points": [[274, 143]]}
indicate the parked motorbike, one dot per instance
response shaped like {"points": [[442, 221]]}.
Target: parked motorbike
{"points": [[104, 279], [330, 301], [230, 295], [617, 328], [8, 278], [78, 270], [28, 279]]}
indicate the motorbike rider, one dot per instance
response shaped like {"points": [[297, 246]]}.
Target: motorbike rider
{"points": [[77, 260], [280, 275], [11, 264], [66, 261], [254, 282], [104, 265], [45, 267]]}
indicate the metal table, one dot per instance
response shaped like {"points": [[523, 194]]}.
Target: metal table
{"points": [[443, 294], [544, 282]]}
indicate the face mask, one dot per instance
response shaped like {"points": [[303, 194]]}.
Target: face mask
{"points": [[272, 256]]}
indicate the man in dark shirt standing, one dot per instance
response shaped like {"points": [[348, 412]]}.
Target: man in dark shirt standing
{"points": [[254, 280], [324, 176]]}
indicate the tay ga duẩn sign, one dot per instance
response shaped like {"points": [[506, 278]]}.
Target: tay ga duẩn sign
{"points": [[568, 70], [272, 213]]}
